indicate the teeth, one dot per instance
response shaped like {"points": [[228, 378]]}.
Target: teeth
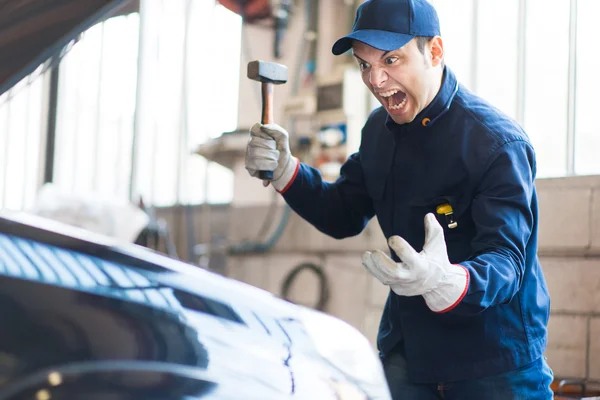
{"points": [[397, 106], [389, 93]]}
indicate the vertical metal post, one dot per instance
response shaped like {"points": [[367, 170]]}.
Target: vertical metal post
{"points": [[154, 150], [183, 152], [137, 113], [28, 150], [6, 151], [75, 108], [97, 148], [205, 210], [572, 89], [51, 125], [181, 187], [521, 61], [474, 45]]}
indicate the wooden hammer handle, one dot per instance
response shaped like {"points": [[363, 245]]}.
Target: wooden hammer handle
{"points": [[267, 118], [267, 103]]}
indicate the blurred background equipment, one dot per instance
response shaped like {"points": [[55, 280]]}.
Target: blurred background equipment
{"points": [[106, 215], [343, 104], [101, 214], [251, 11], [272, 13], [281, 14]]}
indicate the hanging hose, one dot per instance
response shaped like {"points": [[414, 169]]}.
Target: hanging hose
{"points": [[323, 284], [252, 247]]}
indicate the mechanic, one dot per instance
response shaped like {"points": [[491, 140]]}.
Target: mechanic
{"points": [[451, 181]]}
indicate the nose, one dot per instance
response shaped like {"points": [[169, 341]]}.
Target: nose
{"points": [[377, 77]]}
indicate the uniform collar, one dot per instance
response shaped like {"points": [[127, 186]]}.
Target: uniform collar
{"points": [[438, 107]]}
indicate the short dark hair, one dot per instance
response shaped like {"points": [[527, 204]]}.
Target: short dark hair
{"points": [[422, 41]]}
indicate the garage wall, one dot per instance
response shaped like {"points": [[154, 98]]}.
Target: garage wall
{"points": [[570, 250]]}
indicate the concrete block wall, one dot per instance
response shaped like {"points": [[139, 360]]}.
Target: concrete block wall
{"points": [[570, 254]]}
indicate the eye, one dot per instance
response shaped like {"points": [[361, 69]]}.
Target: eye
{"points": [[391, 60], [363, 65]]}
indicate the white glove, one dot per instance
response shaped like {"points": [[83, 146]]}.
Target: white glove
{"points": [[269, 150], [428, 273]]}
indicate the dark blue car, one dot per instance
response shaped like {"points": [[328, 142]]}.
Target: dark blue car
{"points": [[83, 317]]}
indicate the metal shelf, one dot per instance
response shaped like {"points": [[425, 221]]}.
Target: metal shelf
{"points": [[226, 149]]}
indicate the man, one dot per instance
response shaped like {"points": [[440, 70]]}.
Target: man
{"points": [[467, 314]]}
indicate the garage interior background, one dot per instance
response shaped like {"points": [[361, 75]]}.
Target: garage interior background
{"points": [[154, 103]]}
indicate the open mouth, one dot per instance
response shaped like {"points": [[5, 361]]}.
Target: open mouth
{"points": [[395, 98]]}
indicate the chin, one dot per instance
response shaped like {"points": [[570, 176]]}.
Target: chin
{"points": [[402, 119]]}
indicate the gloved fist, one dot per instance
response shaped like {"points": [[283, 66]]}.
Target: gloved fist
{"points": [[269, 150], [428, 273]]}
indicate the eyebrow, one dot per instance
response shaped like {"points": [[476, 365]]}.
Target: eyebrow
{"points": [[382, 56], [357, 57]]}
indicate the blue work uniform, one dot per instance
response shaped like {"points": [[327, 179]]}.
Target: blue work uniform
{"points": [[460, 151]]}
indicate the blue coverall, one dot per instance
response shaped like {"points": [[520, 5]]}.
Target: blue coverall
{"points": [[462, 151]]}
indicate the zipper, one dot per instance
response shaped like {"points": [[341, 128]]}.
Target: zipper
{"points": [[440, 389]]}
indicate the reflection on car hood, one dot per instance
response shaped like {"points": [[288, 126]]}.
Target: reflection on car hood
{"points": [[74, 298]]}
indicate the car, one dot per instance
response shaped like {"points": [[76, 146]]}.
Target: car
{"points": [[86, 316]]}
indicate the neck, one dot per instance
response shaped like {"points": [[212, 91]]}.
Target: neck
{"points": [[438, 77]]}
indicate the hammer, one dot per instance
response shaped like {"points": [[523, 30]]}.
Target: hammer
{"points": [[268, 74]]}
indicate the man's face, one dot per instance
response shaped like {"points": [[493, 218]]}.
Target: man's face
{"points": [[405, 80]]}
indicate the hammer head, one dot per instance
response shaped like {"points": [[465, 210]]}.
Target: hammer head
{"points": [[267, 72]]}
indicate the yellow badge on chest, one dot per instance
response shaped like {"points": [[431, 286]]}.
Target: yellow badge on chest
{"points": [[447, 211]]}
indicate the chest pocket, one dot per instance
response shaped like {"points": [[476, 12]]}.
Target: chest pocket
{"points": [[457, 224]]}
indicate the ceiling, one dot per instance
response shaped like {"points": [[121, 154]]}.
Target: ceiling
{"points": [[32, 32]]}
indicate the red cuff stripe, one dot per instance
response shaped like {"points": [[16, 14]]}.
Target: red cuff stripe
{"points": [[462, 296], [293, 177]]}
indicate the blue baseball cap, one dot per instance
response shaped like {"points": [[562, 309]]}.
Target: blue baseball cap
{"points": [[389, 24]]}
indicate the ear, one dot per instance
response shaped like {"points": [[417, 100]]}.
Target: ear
{"points": [[436, 48]]}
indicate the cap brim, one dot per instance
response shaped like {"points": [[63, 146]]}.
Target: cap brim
{"points": [[382, 40]]}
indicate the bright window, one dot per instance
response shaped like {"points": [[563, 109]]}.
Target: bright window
{"points": [[587, 132], [497, 54], [21, 131], [546, 83], [145, 80], [185, 99], [96, 103], [496, 46], [456, 24]]}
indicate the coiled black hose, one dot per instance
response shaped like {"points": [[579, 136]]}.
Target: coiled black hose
{"points": [[323, 284]]}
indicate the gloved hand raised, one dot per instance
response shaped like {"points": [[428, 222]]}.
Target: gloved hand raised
{"points": [[428, 273], [269, 150]]}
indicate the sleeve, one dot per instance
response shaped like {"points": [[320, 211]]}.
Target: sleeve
{"points": [[504, 211], [339, 209]]}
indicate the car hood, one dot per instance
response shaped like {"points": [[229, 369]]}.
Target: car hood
{"points": [[75, 297]]}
